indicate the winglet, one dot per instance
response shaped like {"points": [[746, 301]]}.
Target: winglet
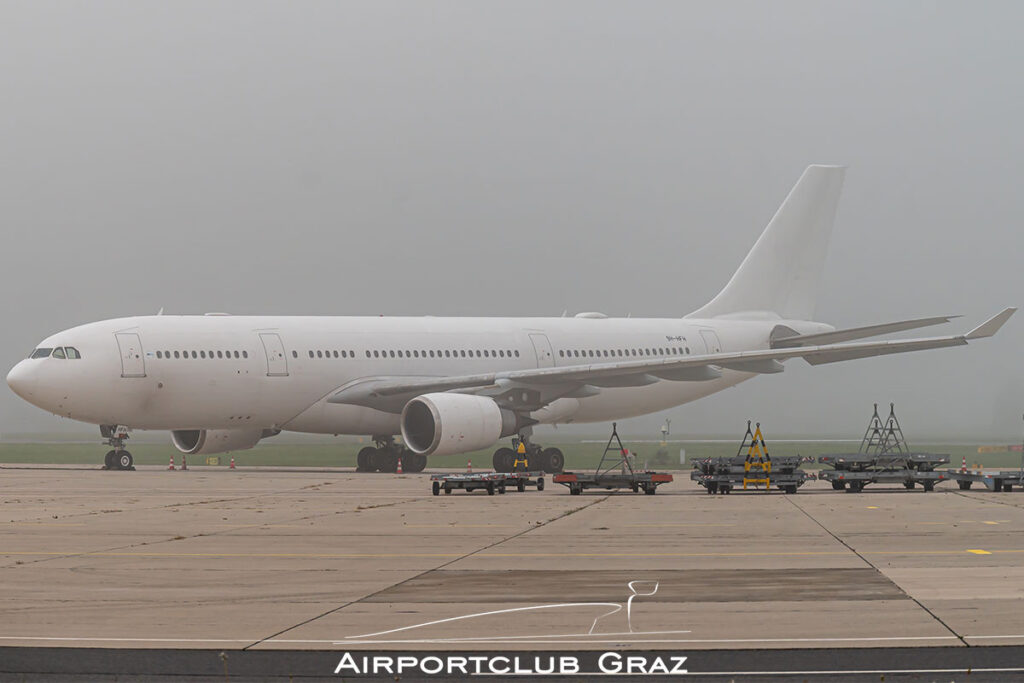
{"points": [[992, 325]]}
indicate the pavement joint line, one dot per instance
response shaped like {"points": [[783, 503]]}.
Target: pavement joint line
{"points": [[480, 553], [428, 571], [880, 574]]}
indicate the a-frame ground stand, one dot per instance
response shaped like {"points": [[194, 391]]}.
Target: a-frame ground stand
{"points": [[614, 471], [757, 464]]}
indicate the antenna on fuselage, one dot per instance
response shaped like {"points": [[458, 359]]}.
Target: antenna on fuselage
{"points": [[161, 311]]}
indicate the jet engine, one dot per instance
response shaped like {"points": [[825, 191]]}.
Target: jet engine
{"points": [[209, 441], [445, 424]]}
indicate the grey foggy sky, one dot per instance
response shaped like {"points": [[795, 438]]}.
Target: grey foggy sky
{"points": [[522, 158]]}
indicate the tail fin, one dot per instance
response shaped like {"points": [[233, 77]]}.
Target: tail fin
{"points": [[781, 273]]}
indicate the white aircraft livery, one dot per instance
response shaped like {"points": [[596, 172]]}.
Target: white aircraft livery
{"points": [[451, 385]]}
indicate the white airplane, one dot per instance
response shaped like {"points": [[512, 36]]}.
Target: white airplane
{"points": [[452, 385]]}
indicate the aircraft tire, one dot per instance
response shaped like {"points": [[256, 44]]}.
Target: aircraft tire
{"points": [[125, 461], [364, 460], [552, 460], [503, 459], [385, 460], [110, 460]]}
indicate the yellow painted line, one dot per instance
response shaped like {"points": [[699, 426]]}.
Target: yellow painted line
{"points": [[673, 524], [258, 526], [979, 552], [872, 507], [987, 522], [47, 523], [466, 525]]}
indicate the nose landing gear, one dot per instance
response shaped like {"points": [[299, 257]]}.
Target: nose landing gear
{"points": [[118, 458]]}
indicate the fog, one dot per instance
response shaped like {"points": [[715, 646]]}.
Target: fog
{"points": [[523, 158]]}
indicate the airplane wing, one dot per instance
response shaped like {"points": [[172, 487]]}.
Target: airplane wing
{"points": [[783, 337], [533, 388]]}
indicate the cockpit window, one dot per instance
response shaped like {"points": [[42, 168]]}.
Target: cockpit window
{"points": [[41, 353], [72, 352], [59, 353]]}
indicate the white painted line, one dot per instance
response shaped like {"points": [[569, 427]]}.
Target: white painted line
{"points": [[691, 641]]}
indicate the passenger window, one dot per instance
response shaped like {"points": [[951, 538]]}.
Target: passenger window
{"points": [[319, 354], [367, 353], [42, 353], [175, 354], [335, 353], [202, 354], [295, 354], [351, 353], [59, 353], [220, 354], [245, 354], [159, 354], [517, 354]]}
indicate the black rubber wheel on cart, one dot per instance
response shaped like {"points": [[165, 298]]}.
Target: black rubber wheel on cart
{"points": [[838, 485], [436, 488], [1007, 487], [521, 486], [575, 490], [908, 484], [447, 491], [712, 487], [855, 487], [928, 486], [490, 489], [650, 490], [501, 490], [540, 483], [997, 485], [364, 460], [964, 485], [552, 460]]}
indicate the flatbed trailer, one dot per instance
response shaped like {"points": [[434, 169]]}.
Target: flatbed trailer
{"points": [[854, 481], [993, 481], [723, 474], [492, 482], [614, 471], [649, 482]]}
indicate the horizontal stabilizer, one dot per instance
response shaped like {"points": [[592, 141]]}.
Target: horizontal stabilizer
{"points": [[789, 340]]}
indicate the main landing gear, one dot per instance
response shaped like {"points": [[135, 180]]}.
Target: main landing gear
{"points": [[384, 457], [535, 457], [118, 458]]}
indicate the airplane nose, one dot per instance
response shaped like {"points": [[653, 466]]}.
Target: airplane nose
{"points": [[21, 379]]}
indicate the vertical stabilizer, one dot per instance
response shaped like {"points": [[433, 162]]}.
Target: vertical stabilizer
{"points": [[781, 273]]}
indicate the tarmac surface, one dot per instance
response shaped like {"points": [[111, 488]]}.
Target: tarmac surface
{"points": [[330, 559]]}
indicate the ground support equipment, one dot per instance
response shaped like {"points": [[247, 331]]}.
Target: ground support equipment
{"points": [[492, 482], [752, 466], [1005, 480], [723, 474], [615, 472], [884, 458]]}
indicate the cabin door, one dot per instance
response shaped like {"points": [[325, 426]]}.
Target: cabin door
{"points": [[132, 362], [277, 364]]}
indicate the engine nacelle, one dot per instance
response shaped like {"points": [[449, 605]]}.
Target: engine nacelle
{"points": [[209, 441], [445, 424]]}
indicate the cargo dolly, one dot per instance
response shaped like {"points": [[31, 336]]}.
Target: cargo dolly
{"points": [[884, 458], [493, 482], [994, 481], [615, 472], [755, 468]]}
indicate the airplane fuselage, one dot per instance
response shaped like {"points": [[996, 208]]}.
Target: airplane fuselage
{"points": [[230, 372]]}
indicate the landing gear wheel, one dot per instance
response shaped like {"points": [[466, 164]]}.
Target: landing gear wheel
{"points": [[385, 460], [552, 460], [364, 460], [124, 461], [110, 460], [414, 462], [503, 460]]}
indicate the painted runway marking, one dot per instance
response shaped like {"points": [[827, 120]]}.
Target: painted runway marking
{"points": [[977, 551]]}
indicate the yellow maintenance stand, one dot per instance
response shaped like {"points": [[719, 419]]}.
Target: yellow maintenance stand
{"points": [[757, 468]]}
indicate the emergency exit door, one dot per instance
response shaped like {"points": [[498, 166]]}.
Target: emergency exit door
{"points": [[132, 362], [711, 341], [542, 347], [277, 364]]}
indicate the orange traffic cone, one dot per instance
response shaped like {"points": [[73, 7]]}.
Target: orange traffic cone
{"points": [[171, 466], [469, 465], [398, 470], [963, 466], [232, 465], [184, 463]]}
